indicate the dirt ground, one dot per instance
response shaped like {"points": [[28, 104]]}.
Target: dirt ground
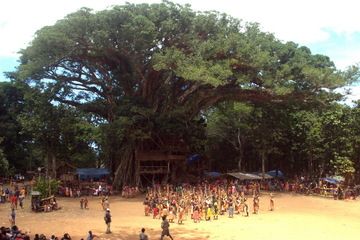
{"points": [[295, 217]]}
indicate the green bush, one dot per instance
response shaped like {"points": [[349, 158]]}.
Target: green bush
{"points": [[46, 186]]}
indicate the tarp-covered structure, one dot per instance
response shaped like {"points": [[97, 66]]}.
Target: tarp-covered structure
{"points": [[213, 174], [193, 158], [276, 173], [266, 176], [244, 176], [331, 180], [92, 173]]}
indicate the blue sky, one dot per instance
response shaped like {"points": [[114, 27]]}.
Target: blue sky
{"points": [[327, 27]]}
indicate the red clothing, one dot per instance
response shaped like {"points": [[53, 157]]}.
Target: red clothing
{"points": [[196, 216], [13, 199], [155, 212]]}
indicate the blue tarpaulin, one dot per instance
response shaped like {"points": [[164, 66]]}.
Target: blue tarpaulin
{"points": [[244, 176], [85, 173], [194, 158], [330, 180], [275, 173], [213, 174]]}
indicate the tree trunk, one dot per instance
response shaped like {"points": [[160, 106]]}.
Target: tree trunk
{"points": [[263, 163], [53, 165], [126, 172], [240, 163], [310, 166], [47, 163], [240, 149]]}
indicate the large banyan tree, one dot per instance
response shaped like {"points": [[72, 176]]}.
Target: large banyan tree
{"points": [[142, 68]]}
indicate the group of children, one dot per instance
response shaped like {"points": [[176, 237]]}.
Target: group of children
{"points": [[203, 201]]}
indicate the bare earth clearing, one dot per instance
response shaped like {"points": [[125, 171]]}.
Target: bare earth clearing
{"points": [[295, 217]]}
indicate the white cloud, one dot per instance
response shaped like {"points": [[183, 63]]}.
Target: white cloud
{"points": [[19, 20], [352, 93], [347, 57]]}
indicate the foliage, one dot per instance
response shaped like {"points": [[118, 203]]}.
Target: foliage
{"points": [[46, 186], [4, 164], [228, 124], [13, 141], [299, 139], [343, 166]]}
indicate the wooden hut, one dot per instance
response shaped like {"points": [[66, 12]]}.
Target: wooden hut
{"points": [[66, 171], [161, 163]]}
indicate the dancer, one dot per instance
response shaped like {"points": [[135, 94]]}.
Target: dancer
{"points": [[107, 219], [272, 204]]}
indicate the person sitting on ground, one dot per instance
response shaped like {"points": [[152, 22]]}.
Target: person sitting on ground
{"points": [[142, 235], [42, 237], [66, 237], [91, 236]]}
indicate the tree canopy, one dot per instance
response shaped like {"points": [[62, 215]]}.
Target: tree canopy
{"points": [[165, 56], [148, 71]]}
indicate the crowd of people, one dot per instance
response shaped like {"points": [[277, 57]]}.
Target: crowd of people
{"points": [[75, 189], [129, 192], [14, 233], [15, 195], [204, 201]]}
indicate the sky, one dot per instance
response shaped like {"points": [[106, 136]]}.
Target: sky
{"points": [[329, 27]]}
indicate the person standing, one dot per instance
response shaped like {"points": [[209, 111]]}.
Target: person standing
{"points": [[107, 219], [13, 201], [165, 228], [12, 217], [81, 203], [106, 203], [103, 203], [256, 204], [86, 203], [246, 207], [231, 208], [272, 202], [22, 197], [142, 235]]}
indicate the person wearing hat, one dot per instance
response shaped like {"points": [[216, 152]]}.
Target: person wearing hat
{"points": [[107, 219]]}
